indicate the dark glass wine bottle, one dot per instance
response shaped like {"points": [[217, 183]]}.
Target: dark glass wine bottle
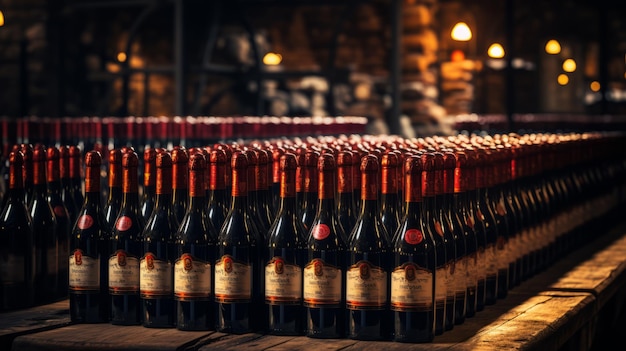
{"points": [[432, 228], [277, 153], [64, 174], [195, 256], [237, 266], [493, 200], [180, 182], [414, 261], [309, 188], [114, 195], [285, 255], [64, 226], [367, 264], [17, 263], [346, 216], [76, 179], [45, 229], [324, 280], [88, 261], [27, 172], [263, 194], [126, 248], [148, 197], [390, 215], [261, 221], [156, 284], [217, 207]]}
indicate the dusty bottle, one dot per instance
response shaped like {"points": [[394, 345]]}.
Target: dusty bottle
{"points": [[284, 259], [64, 226], [414, 264], [156, 285], [45, 228], [367, 264], [237, 266], [17, 281], [324, 280], [89, 244], [195, 256], [126, 248]]}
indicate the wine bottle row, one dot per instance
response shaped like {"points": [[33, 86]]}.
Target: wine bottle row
{"points": [[365, 237]]}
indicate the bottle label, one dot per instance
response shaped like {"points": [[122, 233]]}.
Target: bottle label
{"points": [[320, 231], [11, 268], [84, 222], [501, 253], [366, 286], [123, 223], [492, 264], [461, 282], [481, 264], [411, 288], [123, 273], [413, 236], [233, 280], [283, 282], [155, 277], [472, 269], [192, 278], [441, 283], [451, 278], [60, 211], [322, 284], [84, 272]]}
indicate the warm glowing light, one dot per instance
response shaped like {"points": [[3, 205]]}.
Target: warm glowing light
{"points": [[563, 79], [495, 51], [461, 32], [569, 65], [1, 18], [121, 57], [272, 59], [553, 47], [594, 86], [457, 56]]}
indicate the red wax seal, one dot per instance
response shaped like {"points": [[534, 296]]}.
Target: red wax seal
{"points": [[123, 223], [413, 236], [59, 211], [320, 231], [84, 222]]}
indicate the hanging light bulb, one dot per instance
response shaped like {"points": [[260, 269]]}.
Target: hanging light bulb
{"points": [[569, 65], [461, 32], [1, 18], [495, 51], [553, 47], [562, 79]]}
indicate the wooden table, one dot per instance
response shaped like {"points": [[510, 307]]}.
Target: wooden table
{"points": [[577, 301]]}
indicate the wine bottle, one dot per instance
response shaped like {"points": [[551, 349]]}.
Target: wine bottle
{"points": [[277, 153], [324, 280], [218, 208], [345, 203], [27, 171], [367, 260], [414, 261], [89, 242], [156, 285], [17, 263], [64, 227], [390, 216], [64, 174], [432, 227], [114, 195], [45, 228], [237, 266], [126, 248], [180, 182], [148, 197], [284, 258], [263, 194], [195, 256], [309, 188], [76, 179], [260, 220]]}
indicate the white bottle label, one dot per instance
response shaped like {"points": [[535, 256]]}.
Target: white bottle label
{"points": [[283, 282], [84, 272], [155, 276], [322, 284], [366, 286], [441, 283], [233, 280], [192, 278], [123, 273], [411, 288]]}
